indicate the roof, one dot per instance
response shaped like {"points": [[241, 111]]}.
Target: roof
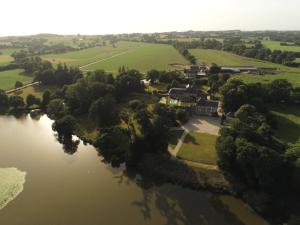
{"points": [[189, 90], [208, 103], [239, 68]]}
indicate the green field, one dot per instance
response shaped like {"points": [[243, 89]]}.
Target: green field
{"points": [[199, 147], [288, 123], [228, 59], [275, 45], [293, 78], [5, 57], [134, 55], [9, 78], [222, 58]]}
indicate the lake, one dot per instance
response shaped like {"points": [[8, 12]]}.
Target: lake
{"points": [[67, 186]]}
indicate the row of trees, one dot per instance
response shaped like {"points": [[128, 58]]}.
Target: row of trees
{"points": [[236, 93], [258, 51], [16, 104]]}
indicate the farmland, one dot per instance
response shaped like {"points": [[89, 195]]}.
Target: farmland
{"points": [[275, 45], [5, 57], [9, 78], [292, 77], [141, 56], [222, 58], [228, 59]]}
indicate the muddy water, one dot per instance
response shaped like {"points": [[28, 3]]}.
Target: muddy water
{"points": [[65, 187]]}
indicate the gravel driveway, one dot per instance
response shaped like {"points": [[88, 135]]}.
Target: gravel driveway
{"points": [[205, 124]]}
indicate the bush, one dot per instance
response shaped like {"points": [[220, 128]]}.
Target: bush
{"points": [[182, 115], [18, 84]]}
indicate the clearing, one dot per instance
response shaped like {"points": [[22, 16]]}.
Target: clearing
{"points": [[8, 78]]}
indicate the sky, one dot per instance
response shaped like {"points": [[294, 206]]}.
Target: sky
{"points": [[25, 17]]}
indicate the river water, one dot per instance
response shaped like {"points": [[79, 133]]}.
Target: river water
{"points": [[68, 187]]}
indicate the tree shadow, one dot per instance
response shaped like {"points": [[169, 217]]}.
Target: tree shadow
{"points": [[190, 139], [287, 129], [69, 145]]}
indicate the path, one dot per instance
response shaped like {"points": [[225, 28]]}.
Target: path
{"points": [[20, 88], [199, 124], [102, 60]]}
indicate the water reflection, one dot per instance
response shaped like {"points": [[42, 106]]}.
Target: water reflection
{"points": [[68, 184], [68, 143]]}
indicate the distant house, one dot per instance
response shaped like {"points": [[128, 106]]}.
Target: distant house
{"points": [[207, 107], [239, 69], [196, 71]]}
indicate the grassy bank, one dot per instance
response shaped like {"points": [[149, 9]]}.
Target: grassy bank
{"points": [[165, 168]]}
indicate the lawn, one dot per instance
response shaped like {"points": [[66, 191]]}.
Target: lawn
{"points": [[5, 57], [275, 45], [9, 78], [288, 118], [134, 55], [199, 147]]}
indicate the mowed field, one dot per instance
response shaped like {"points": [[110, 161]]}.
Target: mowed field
{"points": [[133, 55], [275, 45], [9, 78], [5, 57], [222, 58]]}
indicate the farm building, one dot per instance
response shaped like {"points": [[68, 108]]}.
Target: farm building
{"points": [[239, 69], [196, 71]]}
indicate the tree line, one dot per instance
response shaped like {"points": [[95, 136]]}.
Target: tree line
{"points": [[257, 163]]}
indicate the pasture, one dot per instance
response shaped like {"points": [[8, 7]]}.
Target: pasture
{"points": [[292, 77], [222, 58], [8, 78], [275, 45], [133, 55]]}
